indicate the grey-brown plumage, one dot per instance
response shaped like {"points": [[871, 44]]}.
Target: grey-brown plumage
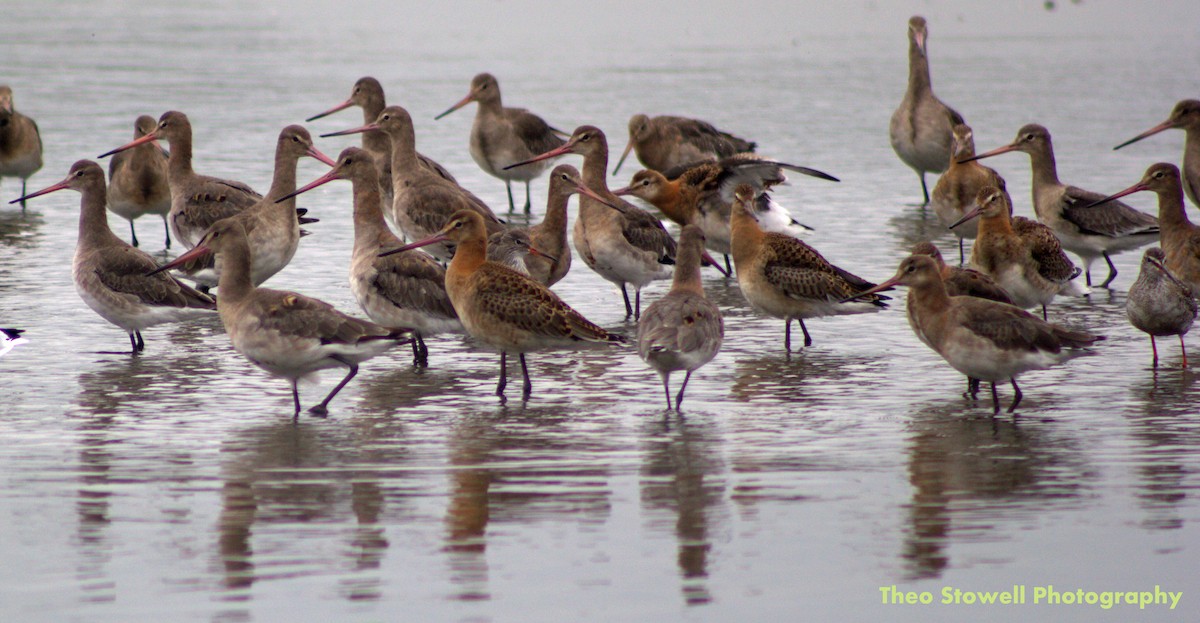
{"points": [[20, 141], [1159, 303], [957, 188], [285, 333], [423, 199], [112, 277], [137, 181], [501, 136], [683, 330], [921, 129], [963, 281], [1185, 116], [665, 142], [398, 290], [983, 339], [367, 94], [197, 201]]}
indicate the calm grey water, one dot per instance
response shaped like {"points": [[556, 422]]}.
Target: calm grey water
{"points": [[174, 486]]}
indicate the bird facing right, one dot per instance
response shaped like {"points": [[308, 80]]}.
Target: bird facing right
{"points": [[1159, 303]]}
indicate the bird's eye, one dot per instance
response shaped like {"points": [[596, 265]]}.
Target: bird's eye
{"points": [[79, 173], [458, 224], [386, 117]]}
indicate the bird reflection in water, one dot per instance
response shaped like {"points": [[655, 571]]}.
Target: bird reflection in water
{"points": [[513, 465], [682, 474], [1163, 423], [971, 475]]}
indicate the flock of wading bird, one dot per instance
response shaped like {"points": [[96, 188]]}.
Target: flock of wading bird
{"points": [[479, 275]]}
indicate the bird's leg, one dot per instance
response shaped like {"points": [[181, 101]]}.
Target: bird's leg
{"points": [[1112, 270], [1017, 397], [1154, 349], [728, 267], [295, 400], [420, 352], [23, 193], [628, 307], [924, 190], [133, 349], [962, 257], [1183, 349], [666, 379], [141, 344], [511, 206], [527, 387], [503, 375], [637, 305], [995, 400], [1044, 314], [972, 388], [1087, 275], [323, 408], [528, 201], [679, 398], [787, 334], [166, 227], [133, 233], [807, 337]]}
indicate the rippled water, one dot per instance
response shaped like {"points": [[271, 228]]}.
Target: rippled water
{"points": [[174, 486]]}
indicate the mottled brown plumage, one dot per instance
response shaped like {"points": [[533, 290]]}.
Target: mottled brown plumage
{"points": [[1023, 256], [785, 278], [1089, 232], [664, 142], [501, 307], [501, 136], [114, 278], [1159, 303], [957, 188]]}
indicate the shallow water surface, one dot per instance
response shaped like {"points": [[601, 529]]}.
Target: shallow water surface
{"points": [[175, 486]]}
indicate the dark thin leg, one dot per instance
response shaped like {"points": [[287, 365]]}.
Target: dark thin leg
{"points": [[323, 408], [628, 307], [511, 206], [1154, 349], [995, 400], [787, 334], [728, 266], [1087, 276], [679, 398], [141, 344], [420, 352], [527, 387], [166, 227], [1017, 398], [807, 337], [503, 375], [666, 378], [1112, 270], [637, 306], [924, 189], [962, 257], [972, 388], [23, 193], [295, 400], [133, 233], [1044, 314], [528, 201], [132, 344], [1182, 349]]}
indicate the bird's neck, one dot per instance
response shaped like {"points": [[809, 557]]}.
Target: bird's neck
{"points": [[283, 182], [1171, 210], [368, 211], [93, 216], [746, 237], [469, 255], [554, 226], [918, 71], [404, 151], [234, 283], [687, 270], [180, 161], [1045, 170]]}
